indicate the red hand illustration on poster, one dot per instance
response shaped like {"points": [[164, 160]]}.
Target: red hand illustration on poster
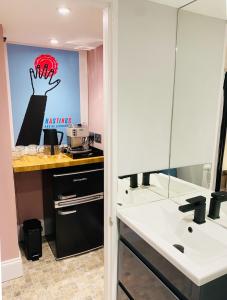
{"points": [[46, 67]]}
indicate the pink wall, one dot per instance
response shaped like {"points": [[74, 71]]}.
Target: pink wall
{"points": [[95, 92], [29, 196], [8, 222]]}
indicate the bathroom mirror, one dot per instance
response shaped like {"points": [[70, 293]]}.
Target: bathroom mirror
{"points": [[145, 76], [197, 101]]}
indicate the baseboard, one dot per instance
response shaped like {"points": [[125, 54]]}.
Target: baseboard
{"points": [[20, 231], [11, 269]]}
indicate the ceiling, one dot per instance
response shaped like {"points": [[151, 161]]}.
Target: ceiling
{"points": [[174, 3], [36, 22], [212, 8]]}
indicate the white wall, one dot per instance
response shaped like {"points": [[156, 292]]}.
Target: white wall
{"points": [[83, 87], [199, 174], [146, 55], [198, 89]]}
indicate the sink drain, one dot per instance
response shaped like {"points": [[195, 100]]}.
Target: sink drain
{"points": [[179, 247]]}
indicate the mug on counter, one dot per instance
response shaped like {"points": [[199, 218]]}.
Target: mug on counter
{"points": [[18, 152], [34, 149]]}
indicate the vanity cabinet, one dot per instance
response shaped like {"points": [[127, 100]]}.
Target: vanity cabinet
{"points": [[144, 274], [138, 279], [121, 295]]}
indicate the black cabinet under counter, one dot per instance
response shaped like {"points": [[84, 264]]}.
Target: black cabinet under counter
{"points": [[73, 202]]}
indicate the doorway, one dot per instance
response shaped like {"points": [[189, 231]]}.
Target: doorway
{"points": [[96, 259]]}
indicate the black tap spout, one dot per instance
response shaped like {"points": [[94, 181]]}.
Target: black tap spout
{"points": [[146, 177], [133, 180], [186, 208], [198, 204], [215, 204]]}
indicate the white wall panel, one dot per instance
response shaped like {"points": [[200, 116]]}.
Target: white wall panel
{"points": [[146, 54], [198, 88]]}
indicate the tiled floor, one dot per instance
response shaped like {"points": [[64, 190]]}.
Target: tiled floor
{"points": [[77, 278]]}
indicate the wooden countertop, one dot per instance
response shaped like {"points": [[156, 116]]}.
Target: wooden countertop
{"points": [[30, 163]]}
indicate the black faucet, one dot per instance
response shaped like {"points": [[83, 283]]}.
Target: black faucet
{"points": [[198, 204], [215, 204], [146, 177], [133, 180]]}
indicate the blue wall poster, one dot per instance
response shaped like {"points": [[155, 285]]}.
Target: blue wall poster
{"points": [[45, 91]]}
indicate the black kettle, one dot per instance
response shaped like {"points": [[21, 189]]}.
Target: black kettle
{"points": [[51, 138]]}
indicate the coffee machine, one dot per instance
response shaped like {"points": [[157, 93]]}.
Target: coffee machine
{"points": [[78, 138], [80, 142]]}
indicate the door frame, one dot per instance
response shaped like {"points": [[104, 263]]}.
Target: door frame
{"points": [[110, 73], [110, 19]]}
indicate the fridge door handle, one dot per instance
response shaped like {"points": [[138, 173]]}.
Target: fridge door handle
{"points": [[75, 201], [76, 173], [65, 213], [61, 197], [80, 179]]}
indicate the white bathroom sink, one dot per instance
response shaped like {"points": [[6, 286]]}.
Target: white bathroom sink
{"points": [[162, 226], [141, 195], [161, 187]]}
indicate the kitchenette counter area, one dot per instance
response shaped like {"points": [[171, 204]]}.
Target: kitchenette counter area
{"points": [[66, 190], [31, 163]]}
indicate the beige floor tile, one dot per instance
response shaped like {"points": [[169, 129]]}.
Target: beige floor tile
{"points": [[75, 278]]}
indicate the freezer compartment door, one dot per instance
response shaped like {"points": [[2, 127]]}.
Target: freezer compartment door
{"points": [[78, 184], [79, 228]]}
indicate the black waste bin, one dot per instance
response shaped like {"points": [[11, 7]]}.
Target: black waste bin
{"points": [[32, 230]]}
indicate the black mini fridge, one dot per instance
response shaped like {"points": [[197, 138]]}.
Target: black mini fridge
{"points": [[74, 209]]}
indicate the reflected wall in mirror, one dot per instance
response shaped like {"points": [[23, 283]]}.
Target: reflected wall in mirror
{"points": [[146, 43], [197, 95], [145, 74], [198, 174]]}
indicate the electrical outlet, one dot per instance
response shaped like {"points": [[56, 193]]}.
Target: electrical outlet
{"points": [[91, 137], [98, 138]]}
